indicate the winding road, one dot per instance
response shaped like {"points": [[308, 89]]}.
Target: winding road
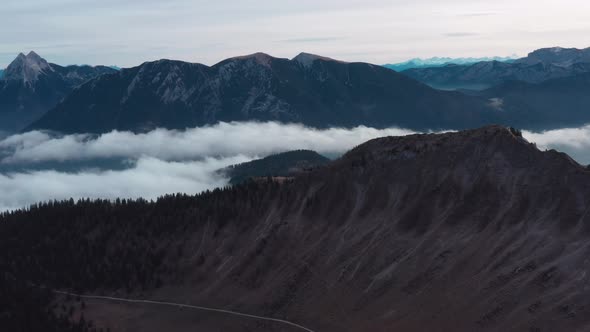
{"points": [[180, 305]]}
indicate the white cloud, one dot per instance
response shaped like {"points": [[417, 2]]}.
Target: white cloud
{"points": [[148, 178], [224, 139], [162, 161], [166, 161], [573, 141]]}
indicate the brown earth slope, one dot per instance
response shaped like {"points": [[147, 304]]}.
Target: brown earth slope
{"points": [[468, 231]]}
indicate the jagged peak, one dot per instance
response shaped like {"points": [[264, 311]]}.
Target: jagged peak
{"points": [[34, 56], [27, 68], [307, 59]]}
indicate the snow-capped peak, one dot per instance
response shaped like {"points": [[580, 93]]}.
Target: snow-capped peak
{"points": [[27, 68]]}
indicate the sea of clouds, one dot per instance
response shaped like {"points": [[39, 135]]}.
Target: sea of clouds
{"points": [[158, 162], [34, 165]]}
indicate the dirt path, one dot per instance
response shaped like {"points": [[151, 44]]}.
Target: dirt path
{"points": [[180, 305]]}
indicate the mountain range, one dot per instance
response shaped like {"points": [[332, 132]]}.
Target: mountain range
{"points": [[30, 86], [545, 90], [538, 66], [464, 231], [441, 62], [557, 103], [308, 89]]}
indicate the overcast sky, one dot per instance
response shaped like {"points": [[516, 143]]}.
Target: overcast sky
{"points": [[129, 32]]}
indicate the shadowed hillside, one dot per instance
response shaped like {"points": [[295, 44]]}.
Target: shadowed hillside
{"points": [[309, 89], [278, 165], [475, 230]]}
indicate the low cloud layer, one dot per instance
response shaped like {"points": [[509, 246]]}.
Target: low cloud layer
{"points": [[224, 139], [573, 141], [166, 161], [160, 162], [148, 178]]}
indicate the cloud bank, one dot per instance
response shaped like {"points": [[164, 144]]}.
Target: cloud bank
{"points": [[148, 178], [37, 165], [224, 139], [159, 162], [573, 141]]}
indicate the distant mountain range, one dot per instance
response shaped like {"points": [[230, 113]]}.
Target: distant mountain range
{"points": [[555, 103], [557, 56], [441, 62], [538, 66], [30, 86], [308, 89]]}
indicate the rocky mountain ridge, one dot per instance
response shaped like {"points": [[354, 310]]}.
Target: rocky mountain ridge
{"points": [[308, 89]]}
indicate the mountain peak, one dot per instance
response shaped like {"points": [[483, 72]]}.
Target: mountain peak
{"points": [[307, 59], [34, 56], [491, 135], [27, 68], [259, 57]]}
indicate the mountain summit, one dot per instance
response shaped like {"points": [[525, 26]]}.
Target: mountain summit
{"points": [[307, 59], [27, 68], [30, 86]]}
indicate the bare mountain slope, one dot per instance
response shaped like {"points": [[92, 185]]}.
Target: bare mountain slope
{"points": [[468, 231]]}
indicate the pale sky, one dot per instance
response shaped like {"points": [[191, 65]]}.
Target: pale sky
{"points": [[127, 33]]}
